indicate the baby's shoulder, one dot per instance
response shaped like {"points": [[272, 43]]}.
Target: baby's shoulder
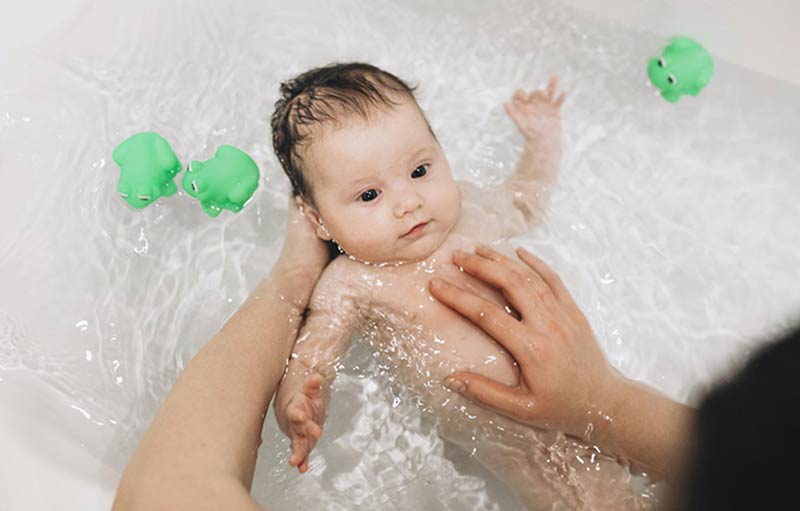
{"points": [[338, 291], [491, 214], [476, 220], [343, 276]]}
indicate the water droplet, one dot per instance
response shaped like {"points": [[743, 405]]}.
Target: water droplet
{"points": [[84, 412], [142, 237]]}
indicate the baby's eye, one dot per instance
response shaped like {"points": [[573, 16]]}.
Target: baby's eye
{"points": [[424, 170], [371, 193]]}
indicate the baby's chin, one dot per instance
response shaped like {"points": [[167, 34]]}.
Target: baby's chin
{"points": [[408, 252]]}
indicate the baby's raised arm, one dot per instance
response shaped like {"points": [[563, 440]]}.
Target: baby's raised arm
{"points": [[537, 115], [301, 401]]}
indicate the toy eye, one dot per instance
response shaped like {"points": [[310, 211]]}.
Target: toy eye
{"points": [[662, 62], [143, 197], [671, 79], [194, 186], [125, 195]]}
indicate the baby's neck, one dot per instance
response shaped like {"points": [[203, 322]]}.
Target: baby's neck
{"points": [[424, 262]]}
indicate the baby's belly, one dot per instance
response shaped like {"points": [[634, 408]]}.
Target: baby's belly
{"points": [[424, 353], [466, 347]]}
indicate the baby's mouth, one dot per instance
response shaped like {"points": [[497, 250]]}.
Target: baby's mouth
{"points": [[417, 228]]}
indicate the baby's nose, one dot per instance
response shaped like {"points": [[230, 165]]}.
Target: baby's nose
{"points": [[411, 201]]}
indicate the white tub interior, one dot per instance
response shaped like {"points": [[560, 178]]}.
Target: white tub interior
{"points": [[673, 225]]}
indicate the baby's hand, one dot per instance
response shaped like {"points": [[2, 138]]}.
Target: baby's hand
{"points": [[302, 420], [537, 114]]}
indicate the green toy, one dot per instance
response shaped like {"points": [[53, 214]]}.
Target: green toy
{"points": [[147, 169], [684, 67], [227, 180]]}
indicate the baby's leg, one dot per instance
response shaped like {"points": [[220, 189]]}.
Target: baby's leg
{"points": [[546, 470], [604, 483], [516, 455]]}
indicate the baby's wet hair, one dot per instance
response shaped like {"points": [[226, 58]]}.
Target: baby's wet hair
{"points": [[332, 94]]}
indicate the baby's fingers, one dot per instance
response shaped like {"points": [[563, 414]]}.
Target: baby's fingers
{"points": [[560, 100], [313, 386], [299, 450], [313, 430], [296, 416], [512, 112], [304, 467], [551, 86]]}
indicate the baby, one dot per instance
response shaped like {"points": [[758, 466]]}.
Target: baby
{"points": [[371, 177]]}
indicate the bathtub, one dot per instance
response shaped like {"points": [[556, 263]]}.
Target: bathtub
{"points": [[673, 225]]}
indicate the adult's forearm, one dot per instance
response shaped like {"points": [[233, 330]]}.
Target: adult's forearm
{"points": [[648, 428], [209, 428]]}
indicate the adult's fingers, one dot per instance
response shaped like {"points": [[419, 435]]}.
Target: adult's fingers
{"points": [[551, 278], [488, 316], [524, 289], [509, 401]]}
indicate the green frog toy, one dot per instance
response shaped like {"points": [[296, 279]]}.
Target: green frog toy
{"points": [[147, 169], [684, 67], [226, 181]]}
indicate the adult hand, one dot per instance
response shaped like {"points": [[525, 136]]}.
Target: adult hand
{"points": [[565, 381], [303, 250]]}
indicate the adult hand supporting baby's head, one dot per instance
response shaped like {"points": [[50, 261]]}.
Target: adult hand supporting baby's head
{"points": [[302, 250], [566, 383]]}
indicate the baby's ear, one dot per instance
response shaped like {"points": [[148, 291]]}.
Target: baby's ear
{"points": [[312, 215]]}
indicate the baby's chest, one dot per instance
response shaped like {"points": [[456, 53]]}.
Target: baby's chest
{"points": [[456, 343]]}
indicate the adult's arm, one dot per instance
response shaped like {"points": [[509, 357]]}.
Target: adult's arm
{"points": [[566, 382], [200, 450]]}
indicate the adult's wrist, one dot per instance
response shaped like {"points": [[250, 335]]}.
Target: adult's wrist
{"points": [[648, 428], [295, 278], [607, 405]]}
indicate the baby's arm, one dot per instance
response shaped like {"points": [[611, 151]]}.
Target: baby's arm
{"points": [[538, 117], [301, 401]]}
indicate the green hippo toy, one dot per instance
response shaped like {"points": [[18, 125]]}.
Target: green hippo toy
{"points": [[227, 180], [147, 169], [684, 67]]}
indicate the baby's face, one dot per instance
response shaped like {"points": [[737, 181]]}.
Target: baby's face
{"points": [[374, 182]]}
